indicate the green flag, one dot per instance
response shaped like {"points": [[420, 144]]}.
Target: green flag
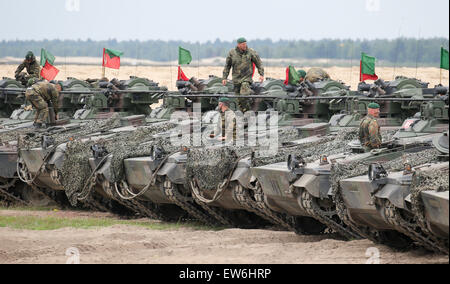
{"points": [[46, 56], [113, 53], [292, 76], [184, 56], [444, 58], [367, 67], [368, 64]]}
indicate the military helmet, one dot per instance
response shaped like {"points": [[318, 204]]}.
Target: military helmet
{"points": [[373, 106], [224, 100], [29, 55], [57, 83], [301, 73]]}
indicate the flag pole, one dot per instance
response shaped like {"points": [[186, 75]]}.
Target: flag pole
{"points": [[440, 77], [103, 63]]}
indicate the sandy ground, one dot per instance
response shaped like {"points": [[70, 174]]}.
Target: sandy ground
{"points": [[167, 75], [129, 244]]}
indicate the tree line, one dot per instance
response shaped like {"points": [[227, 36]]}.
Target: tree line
{"points": [[400, 51]]}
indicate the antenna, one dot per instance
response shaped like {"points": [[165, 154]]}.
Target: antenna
{"points": [[417, 52], [198, 60], [170, 64], [396, 48], [137, 57], [65, 62], [351, 63]]}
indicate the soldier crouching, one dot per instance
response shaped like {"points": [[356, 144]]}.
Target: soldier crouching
{"points": [[42, 95]]}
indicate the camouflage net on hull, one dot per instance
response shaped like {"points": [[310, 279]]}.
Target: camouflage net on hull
{"points": [[434, 180], [62, 135], [138, 145], [210, 166], [329, 145], [12, 135], [340, 171], [121, 146]]}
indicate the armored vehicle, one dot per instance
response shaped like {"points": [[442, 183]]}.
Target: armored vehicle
{"points": [[412, 201], [235, 200], [9, 101], [410, 92], [130, 97], [42, 156], [302, 186]]}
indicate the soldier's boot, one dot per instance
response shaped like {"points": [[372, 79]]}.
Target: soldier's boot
{"points": [[37, 125]]}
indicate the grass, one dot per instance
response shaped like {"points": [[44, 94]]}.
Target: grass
{"points": [[29, 208], [53, 223]]}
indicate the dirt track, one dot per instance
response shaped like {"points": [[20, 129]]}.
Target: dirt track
{"points": [[130, 244]]}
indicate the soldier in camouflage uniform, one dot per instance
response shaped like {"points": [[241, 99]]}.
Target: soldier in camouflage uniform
{"points": [[369, 130], [32, 67], [40, 96], [301, 74], [241, 59], [226, 125], [316, 74]]}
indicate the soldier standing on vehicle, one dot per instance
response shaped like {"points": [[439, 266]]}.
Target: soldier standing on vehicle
{"points": [[32, 67], [42, 95], [369, 130], [241, 59]]}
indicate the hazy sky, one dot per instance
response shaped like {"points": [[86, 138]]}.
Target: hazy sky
{"points": [[203, 20]]}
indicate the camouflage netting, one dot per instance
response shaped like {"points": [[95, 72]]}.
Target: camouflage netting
{"points": [[33, 139], [210, 166], [76, 161], [340, 171], [434, 180], [329, 145], [138, 145], [307, 150], [12, 135], [121, 146]]}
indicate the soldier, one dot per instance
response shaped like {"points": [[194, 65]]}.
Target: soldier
{"points": [[241, 59], [369, 130], [316, 74], [41, 95], [226, 125], [32, 67], [301, 74]]}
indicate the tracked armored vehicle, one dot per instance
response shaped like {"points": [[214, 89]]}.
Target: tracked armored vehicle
{"points": [[124, 98], [143, 182], [410, 92], [9, 101], [412, 201], [302, 186]]}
